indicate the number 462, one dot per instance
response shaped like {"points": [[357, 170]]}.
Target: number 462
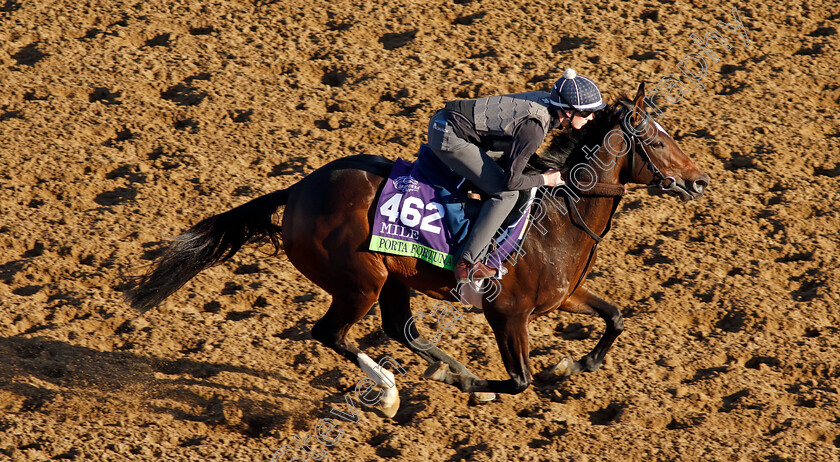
{"points": [[411, 212]]}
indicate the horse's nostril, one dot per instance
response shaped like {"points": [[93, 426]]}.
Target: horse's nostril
{"points": [[699, 186]]}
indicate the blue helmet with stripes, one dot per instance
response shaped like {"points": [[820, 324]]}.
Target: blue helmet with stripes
{"points": [[576, 92]]}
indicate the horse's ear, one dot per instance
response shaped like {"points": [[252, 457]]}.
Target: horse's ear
{"points": [[639, 100], [639, 105]]}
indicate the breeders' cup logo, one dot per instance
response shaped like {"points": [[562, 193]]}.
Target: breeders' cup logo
{"points": [[406, 184]]}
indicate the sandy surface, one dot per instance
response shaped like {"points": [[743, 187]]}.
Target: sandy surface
{"points": [[124, 122]]}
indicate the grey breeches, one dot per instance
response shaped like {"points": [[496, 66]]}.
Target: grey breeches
{"points": [[473, 163]]}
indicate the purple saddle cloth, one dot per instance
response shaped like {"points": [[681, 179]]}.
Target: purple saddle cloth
{"points": [[415, 216]]}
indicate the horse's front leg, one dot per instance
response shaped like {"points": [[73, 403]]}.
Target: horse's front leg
{"points": [[585, 302], [512, 338]]}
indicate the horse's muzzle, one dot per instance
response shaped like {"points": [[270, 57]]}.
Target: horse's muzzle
{"points": [[699, 185], [691, 189], [686, 189]]}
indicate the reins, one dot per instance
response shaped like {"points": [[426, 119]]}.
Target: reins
{"points": [[597, 190], [614, 190], [572, 193]]}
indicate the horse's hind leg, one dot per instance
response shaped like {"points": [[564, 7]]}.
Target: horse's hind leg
{"points": [[585, 302], [331, 330], [395, 306], [346, 309]]}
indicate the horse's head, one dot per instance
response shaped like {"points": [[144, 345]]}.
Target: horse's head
{"points": [[653, 157]]}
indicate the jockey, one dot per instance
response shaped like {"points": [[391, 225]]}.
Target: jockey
{"points": [[471, 136]]}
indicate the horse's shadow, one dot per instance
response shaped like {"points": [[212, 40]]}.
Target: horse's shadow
{"points": [[37, 375]]}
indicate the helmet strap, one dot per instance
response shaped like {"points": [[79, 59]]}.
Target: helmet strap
{"points": [[563, 110]]}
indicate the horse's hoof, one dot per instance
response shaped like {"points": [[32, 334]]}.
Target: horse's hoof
{"points": [[437, 371], [566, 367], [391, 410], [483, 397]]}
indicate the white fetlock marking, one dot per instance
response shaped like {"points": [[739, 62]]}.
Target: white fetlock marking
{"points": [[565, 367], [384, 380], [383, 377]]}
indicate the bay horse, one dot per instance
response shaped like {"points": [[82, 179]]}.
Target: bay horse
{"points": [[326, 229]]}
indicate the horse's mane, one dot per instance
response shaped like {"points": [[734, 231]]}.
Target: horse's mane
{"points": [[565, 150]]}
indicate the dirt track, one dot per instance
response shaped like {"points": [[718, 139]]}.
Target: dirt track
{"points": [[124, 123]]}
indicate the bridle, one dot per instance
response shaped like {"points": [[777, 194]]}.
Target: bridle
{"points": [[666, 183], [637, 147], [616, 191]]}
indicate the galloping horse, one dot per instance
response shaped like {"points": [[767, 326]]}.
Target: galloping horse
{"points": [[326, 229]]}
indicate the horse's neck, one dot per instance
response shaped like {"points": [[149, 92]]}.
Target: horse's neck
{"points": [[597, 189], [607, 166], [596, 203], [568, 244], [589, 206], [595, 206]]}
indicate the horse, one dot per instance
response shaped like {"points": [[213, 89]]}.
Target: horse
{"points": [[326, 228]]}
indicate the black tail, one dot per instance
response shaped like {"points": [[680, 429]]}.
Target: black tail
{"points": [[210, 242]]}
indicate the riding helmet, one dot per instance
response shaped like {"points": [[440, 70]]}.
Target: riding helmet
{"points": [[573, 91]]}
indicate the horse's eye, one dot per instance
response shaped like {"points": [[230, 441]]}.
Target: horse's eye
{"points": [[657, 144]]}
